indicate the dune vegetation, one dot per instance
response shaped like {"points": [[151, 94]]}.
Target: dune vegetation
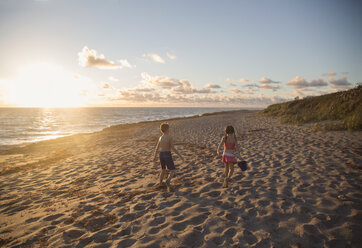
{"points": [[336, 111]]}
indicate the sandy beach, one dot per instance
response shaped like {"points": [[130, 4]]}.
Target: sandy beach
{"points": [[302, 188]]}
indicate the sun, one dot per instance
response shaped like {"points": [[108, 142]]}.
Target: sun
{"points": [[46, 85]]}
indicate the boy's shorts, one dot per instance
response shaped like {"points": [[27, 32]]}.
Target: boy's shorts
{"points": [[166, 160]]}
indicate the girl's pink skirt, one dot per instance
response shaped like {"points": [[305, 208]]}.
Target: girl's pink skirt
{"points": [[228, 158]]}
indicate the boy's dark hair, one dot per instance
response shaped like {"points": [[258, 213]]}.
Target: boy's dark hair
{"points": [[164, 127]]}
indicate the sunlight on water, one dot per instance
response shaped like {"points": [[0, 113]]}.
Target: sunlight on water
{"points": [[20, 125]]}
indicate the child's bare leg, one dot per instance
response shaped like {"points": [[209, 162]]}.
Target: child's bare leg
{"points": [[168, 180], [231, 170], [225, 184], [170, 176], [162, 175], [226, 170]]}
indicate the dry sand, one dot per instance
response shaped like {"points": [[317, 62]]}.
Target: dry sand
{"points": [[302, 188]]}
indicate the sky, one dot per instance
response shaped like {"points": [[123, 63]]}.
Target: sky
{"points": [[246, 53]]}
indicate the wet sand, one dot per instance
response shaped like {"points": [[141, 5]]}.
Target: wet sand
{"points": [[302, 188]]}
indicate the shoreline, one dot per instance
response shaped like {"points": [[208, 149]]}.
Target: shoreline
{"points": [[4, 148]]}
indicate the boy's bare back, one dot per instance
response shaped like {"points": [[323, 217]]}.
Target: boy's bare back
{"points": [[165, 143]]}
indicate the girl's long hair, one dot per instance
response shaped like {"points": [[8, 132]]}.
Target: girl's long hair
{"points": [[229, 130]]}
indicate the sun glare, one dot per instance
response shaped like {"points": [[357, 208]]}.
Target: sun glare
{"points": [[46, 85]]}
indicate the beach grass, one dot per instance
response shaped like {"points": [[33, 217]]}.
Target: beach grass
{"points": [[336, 111]]}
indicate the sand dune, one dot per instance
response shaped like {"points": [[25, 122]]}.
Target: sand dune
{"points": [[302, 188]]}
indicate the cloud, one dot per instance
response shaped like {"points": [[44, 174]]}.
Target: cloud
{"points": [[340, 84], [173, 85], [249, 92], [89, 58], [329, 74], [170, 97], [259, 101], [155, 57], [251, 86], [160, 81], [212, 86], [124, 63], [106, 86], [169, 91], [144, 90], [170, 56], [300, 83], [265, 80], [228, 80], [317, 83], [243, 80], [185, 87], [113, 79], [236, 91], [308, 93], [136, 96], [266, 86], [244, 91]]}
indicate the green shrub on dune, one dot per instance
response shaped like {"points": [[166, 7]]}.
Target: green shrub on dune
{"points": [[336, 111]]}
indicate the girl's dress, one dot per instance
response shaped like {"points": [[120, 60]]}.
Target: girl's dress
{"points": [[229, 157]]}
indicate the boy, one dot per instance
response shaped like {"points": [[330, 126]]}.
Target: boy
{"points": [[164, 146]]}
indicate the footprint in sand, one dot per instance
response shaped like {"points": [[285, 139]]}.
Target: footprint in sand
{"points": [[192, 238], [53, 217], [72, 235]]}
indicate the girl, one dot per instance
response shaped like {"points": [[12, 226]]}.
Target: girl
{"points": [[228, 157]]}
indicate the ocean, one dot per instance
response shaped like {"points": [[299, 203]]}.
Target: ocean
{"points": [[25, 125]]}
